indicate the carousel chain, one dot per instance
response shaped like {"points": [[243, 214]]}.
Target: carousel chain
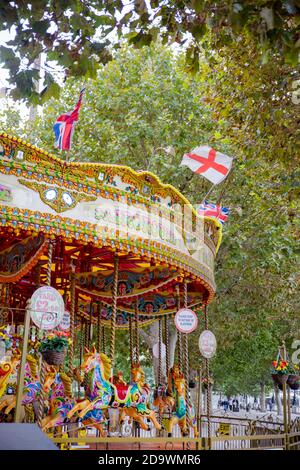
{"points": [[114, 310], [136, 324]]}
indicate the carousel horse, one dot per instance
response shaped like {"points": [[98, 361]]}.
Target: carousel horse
{"points": [[102, 393], [99, 388], [136, 403], [164, 397], [61, 401], [8, 368], [179, 415], [31, 388], [162, 400]]}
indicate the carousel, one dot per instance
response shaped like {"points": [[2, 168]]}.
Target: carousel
{"points": [[87, 249]]}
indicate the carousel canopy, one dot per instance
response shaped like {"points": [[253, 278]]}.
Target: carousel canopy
{"points": [[93, 212]]}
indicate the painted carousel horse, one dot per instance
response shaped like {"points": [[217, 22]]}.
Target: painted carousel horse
{"points": [[163, 401], [179, 415], [31, 388], [136, 403], [8, 368], [164, 397], [102, 393], [61, 401]]}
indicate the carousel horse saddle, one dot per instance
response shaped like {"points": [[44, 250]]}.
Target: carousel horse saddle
{"points": [[121, 391]]}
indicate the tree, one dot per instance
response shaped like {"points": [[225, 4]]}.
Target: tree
{"points": [[80, 35]]}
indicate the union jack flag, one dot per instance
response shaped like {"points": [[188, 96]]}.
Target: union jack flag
{"points": [[208, 209], [64, 126]]}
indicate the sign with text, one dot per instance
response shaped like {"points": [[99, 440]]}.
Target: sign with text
{"points": [[207, 344], [47, 308], [186, 320], [65, 323]]}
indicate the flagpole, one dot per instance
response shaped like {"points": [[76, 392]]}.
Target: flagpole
{"points": [[208, 192]]}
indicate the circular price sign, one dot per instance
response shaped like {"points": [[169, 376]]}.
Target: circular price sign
{"points": [[186, 320], [47, 308], [207, 344], [155, 350], [65, 323]]}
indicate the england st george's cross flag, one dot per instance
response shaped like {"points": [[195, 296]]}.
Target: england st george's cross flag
{"points": [[64, 126], [209, 163]]}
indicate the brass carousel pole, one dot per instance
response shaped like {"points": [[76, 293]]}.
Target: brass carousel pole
{"points": [[131, 341], [99, 308], [103, 340], [114, 312], [167, 344], [43, 365], [178, 333], [186, 359], [199, 400], [136, 325], [91, 325], [159, 375], [20, 385], [72, 319], [208, 390]]}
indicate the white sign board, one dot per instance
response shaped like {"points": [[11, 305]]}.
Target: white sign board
{"points": [[155, 350], [65, 323], [47, 308], [186, 320], [207, 344]]}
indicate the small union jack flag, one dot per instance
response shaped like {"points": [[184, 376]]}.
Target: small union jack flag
{"points": [[207, 209], [64, 126]]}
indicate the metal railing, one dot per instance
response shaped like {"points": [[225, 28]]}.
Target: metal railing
{"points": [[227, 433]]}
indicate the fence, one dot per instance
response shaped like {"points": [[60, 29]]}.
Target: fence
{"points": [[227, 433]]}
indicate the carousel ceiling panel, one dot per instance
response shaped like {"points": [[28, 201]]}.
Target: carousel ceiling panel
{"points": [[122, 317], [131, 283], [150, 303], [19, 256]]}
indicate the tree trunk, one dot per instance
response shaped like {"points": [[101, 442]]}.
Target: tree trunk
{"points": [[262, 397]]}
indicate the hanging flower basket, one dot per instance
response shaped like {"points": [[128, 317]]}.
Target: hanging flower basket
{"points": [[279, 379], [54, 349], [293, 381], [54, 358]]}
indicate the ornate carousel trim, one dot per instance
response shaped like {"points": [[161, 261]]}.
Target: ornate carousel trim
{"points": [[50, 169], [33, 221]]}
